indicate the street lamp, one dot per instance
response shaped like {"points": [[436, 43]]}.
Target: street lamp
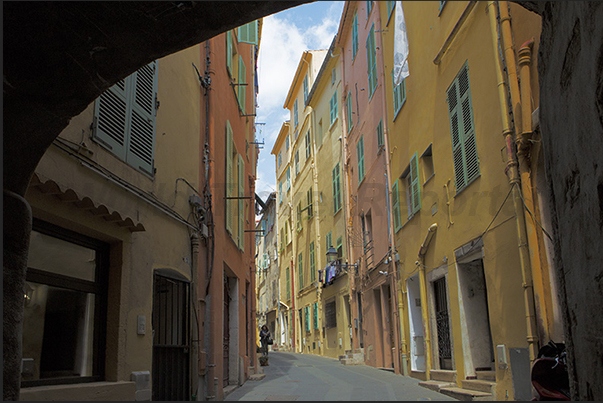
{"points": [[332, 255]]}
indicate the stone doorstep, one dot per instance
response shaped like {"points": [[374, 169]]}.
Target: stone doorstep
{"points": [[481, 386], [486, 376], [256, 377], [229, 389], [466, 394], [436, 385], [442, 375]]}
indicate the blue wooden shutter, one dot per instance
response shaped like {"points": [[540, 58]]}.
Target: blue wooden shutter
{"points": [[229, 51], [349, 111], [307, 314], [396, 206], [372, 61], [315, 306], [415, 187], [355, 35], [295, 115], [241, 178], [141, 146], [360, 155], [229, 178], [242, 80], [110, 112]]}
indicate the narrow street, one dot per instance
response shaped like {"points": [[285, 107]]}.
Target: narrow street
{"points": [[292, 376]]}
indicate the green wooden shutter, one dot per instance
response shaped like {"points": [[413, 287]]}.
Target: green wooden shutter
{"points": [[355, 35], [248, 33], [312, 263], [360, 155], [229, 48], [415, 187], [300, 268], [349, 111], [329, 240], [307, 314], [110, 112], [241, 178], [396, 206], [315, 306], [229, 178], [288, 178], [242, 80], [310, 204], [141, 146], [295, 114], [462, 129], [288, 276], [380, 140], [372, 61], [336, 189], [399, 95], [333, 107], [305, 89]]}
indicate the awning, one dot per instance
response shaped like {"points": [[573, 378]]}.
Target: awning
{"points": [[68, 195]]}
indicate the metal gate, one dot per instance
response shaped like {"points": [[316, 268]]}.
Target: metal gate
{"points": [[442, 323], [170, 338]]}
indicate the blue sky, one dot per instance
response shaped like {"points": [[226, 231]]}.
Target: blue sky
{"points": [[285, 36]]}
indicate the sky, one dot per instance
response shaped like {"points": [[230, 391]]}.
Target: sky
{"points": [[285, 36]]}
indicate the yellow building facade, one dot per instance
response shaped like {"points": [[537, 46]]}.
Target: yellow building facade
{"points": [[466, 294]]}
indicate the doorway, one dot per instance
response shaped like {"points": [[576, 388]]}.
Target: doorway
{"points": [[170, 320], [442, 323], [417, 347]]}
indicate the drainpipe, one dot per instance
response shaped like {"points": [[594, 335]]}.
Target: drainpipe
{"points": [[424, 304], [292, 307], [398, 325], [193, 319], [512, 165]]}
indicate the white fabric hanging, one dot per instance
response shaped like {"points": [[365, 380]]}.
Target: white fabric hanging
{"points": [[400, 46]]}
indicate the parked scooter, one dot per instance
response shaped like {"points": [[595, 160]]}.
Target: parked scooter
{"points": [[549, 373]]}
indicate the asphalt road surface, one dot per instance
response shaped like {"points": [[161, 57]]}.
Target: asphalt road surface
{"points": [[292, 376]]}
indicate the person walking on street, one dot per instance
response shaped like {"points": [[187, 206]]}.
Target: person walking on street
{"points": [[264, 337]]}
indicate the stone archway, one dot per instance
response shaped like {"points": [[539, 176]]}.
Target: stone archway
{"points": [[59, 56]]}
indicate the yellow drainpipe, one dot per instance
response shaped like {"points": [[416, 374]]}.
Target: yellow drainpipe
{"points": [[402, 316], [424, 304], [512, 165]]}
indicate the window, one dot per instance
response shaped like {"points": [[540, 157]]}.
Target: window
{"points": [[280, 192], [333, 107], [380, 141], [280, 159], [333, 76], [125, 117], [355, 35], [319, 133], [296, 162], [329, 240], [372, 61], [307, 317], [462, 128], [312, 263], [340, 248], [369, 8], [65, 305], [242, 84], [308, 145], [248, 33], [241, 213], [427, 164], [286, 233], [299, 214], [349, 111], [288, 178], [287, 143], [330, 315], [399, 92], [360, 155], [305, 89], [412, 186], [235, 186], [442, 4], [309, 197], [230, 54], [295, 120], [229, 176], [300, 269], [315, 310], [336, 189]]}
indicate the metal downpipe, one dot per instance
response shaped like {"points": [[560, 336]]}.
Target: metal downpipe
{"points": [[424, 304]]}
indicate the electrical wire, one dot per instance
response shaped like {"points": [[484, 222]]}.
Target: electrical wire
{"points": [[532, 215]]}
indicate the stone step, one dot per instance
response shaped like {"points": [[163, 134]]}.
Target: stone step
{"points": [[256, 377], [436, 385], [486, 375], [482, 386], [466, 394], [442, 375]]}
